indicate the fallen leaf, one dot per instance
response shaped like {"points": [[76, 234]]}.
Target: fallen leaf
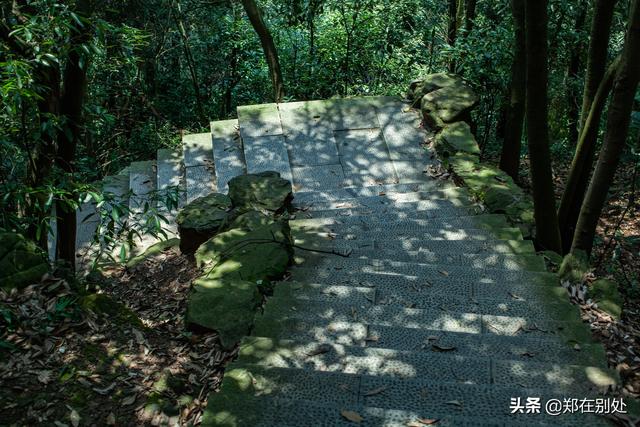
{"points": [[442, 348], [443, 272], [44, 377], [321, 349], [352, 416], [129, 400], [454, 403], [105, 390], [375, 391], [74, 417], [422, 422], [111, 419]]}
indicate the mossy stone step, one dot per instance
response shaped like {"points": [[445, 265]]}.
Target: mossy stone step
{"points": [[249, 383], [402, 230], [488, 247], [437, 187], [347, 297], [504, 261], [423, 363], [488, 221]]}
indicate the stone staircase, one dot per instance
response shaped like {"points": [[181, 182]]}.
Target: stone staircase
{"points": [[405, 303]]}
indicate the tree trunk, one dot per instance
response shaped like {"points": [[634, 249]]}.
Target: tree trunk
{"points": [[71, 108], [618, 119], [597, 56], [510, 158], [536, 19], [573, 69], [578, 178], [269, 48], [452, 29], [469, 16], [191, 64]]}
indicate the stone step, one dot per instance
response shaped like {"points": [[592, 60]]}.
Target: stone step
{"points": [[403, 230], [228, 153], [423, 363], [504, 261], [268, 412], [429, 275], [412, 329], [324, 195], [265, 148], [488, 247], [349, 307], [422, 201], [171, 186], [486, 221], [346, 297], [199, 165], [143, 186], [443, 281], [289, 392]]}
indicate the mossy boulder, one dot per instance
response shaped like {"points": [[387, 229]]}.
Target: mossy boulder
{"points": [[266, 192], [605, 293], [201, 219], [22, 263], [574, 267], [226, 306], [255, 247], [447, 105], [420, 87], [455, 138]]}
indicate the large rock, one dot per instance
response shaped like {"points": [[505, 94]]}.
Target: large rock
{"points": [[201, 219], [226, 306], [22, 263], [455, 138], [419, 88], [447, 105], [265, 192], [256, 248]]}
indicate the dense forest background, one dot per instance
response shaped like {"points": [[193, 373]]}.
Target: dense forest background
{"points": [[140, 74]]}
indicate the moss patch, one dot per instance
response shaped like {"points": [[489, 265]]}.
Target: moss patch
{"points": [[153, 250], [226, 306], [574, 267], [605, 293], [21, 262], [265, 192]]}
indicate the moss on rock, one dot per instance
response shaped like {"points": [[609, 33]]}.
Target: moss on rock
{"points": [[574, 267], [605, 293], [455, 138], [201, 219], [226, 306], [22, 263], [259, 249], [447, 105], [419, 88], [153, 250], [265, 192]]}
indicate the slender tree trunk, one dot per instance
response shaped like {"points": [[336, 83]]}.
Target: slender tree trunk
{"points": [[268, 46], [452, 29], [71, 109], [597, 56], [618, 119], [469, 16], [510, 159], [191, 64], [575, 64], [578, 179], [536, 20]]}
